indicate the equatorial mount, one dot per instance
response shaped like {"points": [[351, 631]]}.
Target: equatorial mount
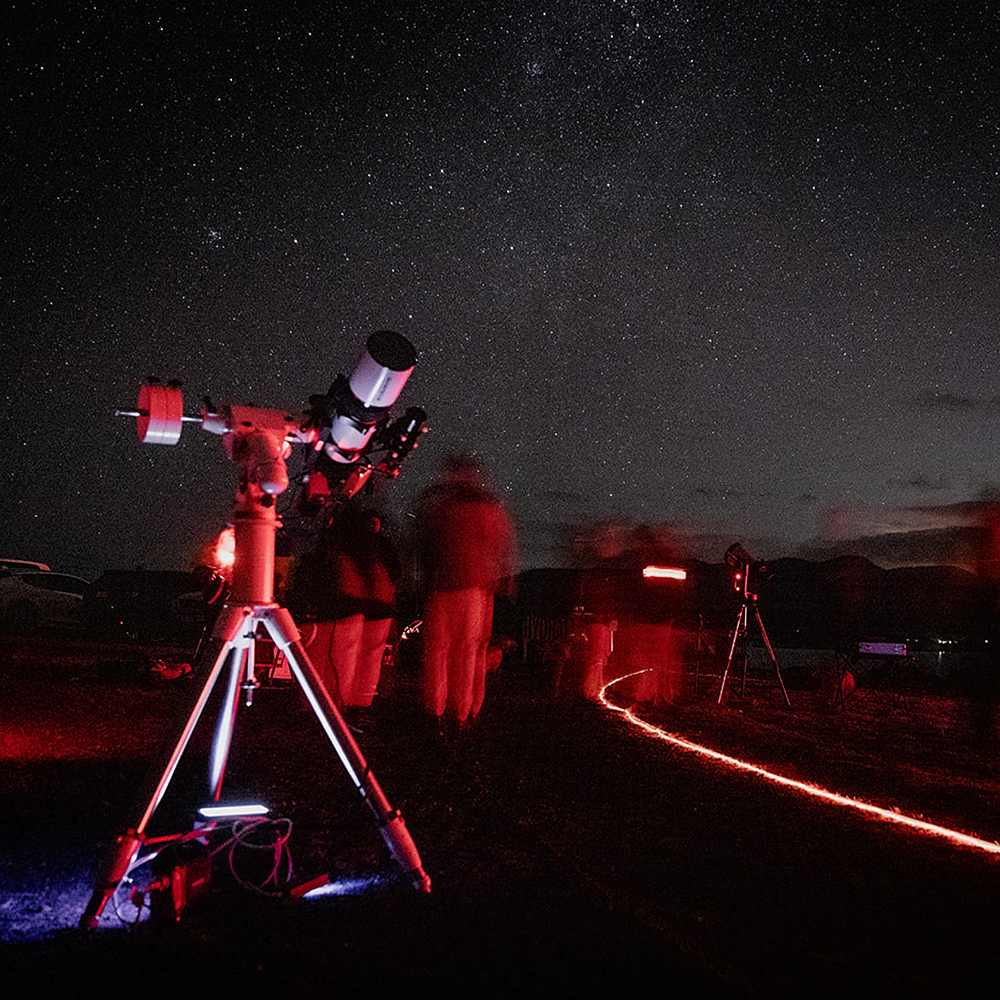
{"points": [[349, 430]]}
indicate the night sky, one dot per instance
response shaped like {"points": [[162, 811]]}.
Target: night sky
{"points": [[728, 267]]}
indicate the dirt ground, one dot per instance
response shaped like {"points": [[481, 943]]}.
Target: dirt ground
{"points": [[571, 853]]}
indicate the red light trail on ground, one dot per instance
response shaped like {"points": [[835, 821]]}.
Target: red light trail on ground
{"points": [[921, 826]]}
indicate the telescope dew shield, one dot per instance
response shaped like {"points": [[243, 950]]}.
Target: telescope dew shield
{"points": [[383, 369], [737, 557]]}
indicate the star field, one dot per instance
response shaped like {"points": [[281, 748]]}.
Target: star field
{"points": [[730, 267]]}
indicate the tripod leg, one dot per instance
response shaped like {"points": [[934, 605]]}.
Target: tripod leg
{"points": [[740, 627], [770, 652], [281, 626], [227, 720], [745, 656], [697, 657], [121, 855]]}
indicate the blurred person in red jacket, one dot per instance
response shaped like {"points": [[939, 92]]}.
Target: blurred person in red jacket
{"points": [[464, 549]]}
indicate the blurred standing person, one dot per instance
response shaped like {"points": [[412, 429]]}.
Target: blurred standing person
{"points": [[651, 643], [596, 595], [380, 572], [464, 549], [349, 590], [983, 671]]}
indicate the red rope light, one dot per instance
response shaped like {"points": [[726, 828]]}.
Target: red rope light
{"points": [[929, 829]]}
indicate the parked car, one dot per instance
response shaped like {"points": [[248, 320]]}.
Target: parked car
{"points": [[33, 599], [23, 566], [151, 605]]}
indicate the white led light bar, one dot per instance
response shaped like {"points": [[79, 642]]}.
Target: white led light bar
{"points": [[233, 812]]}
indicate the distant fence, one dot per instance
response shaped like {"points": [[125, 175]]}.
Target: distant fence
{"points": [[537, 628]]}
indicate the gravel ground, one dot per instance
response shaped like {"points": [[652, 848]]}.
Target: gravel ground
{"points": [[570, 851]]}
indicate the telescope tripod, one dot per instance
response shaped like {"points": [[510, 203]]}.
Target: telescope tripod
{"points": [[232, 643], [740, 636]]}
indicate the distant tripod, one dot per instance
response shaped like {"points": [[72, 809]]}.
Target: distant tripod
{"points": [[740, 636], [260, 450]]}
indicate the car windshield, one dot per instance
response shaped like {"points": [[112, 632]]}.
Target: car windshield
{"points": [[56, 582]]}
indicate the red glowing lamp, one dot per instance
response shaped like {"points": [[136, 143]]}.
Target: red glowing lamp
{"points": [[225, 549], [663, 573]]}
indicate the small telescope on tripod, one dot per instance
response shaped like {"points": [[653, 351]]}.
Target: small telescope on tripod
{"points": [[346, 427], [746, 572]]}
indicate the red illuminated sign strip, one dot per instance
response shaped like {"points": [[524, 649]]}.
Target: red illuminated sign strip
{"points": [[664, 573]]}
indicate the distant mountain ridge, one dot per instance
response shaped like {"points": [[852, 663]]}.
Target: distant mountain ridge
{"points": [[831, 603], [846, 598]]}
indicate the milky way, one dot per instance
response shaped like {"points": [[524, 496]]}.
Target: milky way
{"points": [[729, 267]]}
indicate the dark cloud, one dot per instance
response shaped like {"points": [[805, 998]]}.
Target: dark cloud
{"points": [[927, 484], [566, 498], [950, 402], [714, 493]]}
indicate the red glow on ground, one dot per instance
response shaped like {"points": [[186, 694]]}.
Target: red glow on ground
{"points": [[834, 798]]}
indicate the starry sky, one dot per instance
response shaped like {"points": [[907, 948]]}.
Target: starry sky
{"points": [[728, 267]]}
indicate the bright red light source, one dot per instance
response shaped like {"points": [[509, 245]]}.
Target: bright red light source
{"points": [[225, 549], [663, 573]]}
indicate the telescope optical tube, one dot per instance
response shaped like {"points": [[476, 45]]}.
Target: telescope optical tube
{"points": [[358, 404]]}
